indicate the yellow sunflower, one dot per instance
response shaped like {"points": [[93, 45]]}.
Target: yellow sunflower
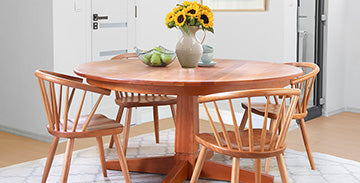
{"points": [[205, 8], [177, 9], [170, 17], [180, 18], [206, 19], [195, 4], [192, 10], [186, 3]]}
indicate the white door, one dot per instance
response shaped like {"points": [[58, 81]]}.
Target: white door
{"points": [[112, 33], [112, 27]]}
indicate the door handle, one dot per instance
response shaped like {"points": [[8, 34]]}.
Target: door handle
{"points": [[96, 17]]}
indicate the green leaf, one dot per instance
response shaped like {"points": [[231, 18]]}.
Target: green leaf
{"points": [[172, 24], [197, 22], [188, 18], [210, 29], [185, 27], [192, 21]]}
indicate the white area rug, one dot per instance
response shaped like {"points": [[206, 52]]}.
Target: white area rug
{"points": [[85, 166]]}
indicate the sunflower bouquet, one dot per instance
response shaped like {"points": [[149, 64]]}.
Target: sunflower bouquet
{"points": [[190, 14]]}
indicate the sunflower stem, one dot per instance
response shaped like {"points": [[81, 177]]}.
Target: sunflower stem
{"points": [[185, 27]]}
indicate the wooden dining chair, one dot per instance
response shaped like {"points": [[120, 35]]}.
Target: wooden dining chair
{"points": [[130, 100], [255, 142], [57, 91], [305, 83]]}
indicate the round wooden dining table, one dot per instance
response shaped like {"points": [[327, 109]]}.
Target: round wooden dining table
{"points": [[131, 75]]}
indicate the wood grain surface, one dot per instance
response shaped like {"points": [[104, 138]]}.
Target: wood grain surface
{"points": [[227, 75]]}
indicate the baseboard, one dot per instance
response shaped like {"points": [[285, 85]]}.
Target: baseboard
{"points": [[352, 109], [35, 136], [333, 112]]}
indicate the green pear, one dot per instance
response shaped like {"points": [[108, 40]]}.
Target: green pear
{"points": [[155, 59], [146, 58], [166, 58], [158, 49]]}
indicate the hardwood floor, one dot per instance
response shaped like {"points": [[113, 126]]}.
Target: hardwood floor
{"points": [[337, 135]]}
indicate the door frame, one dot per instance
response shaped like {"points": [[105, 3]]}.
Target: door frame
{"points": [[316, 110]]}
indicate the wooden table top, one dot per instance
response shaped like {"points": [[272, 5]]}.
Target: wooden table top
{"points": [[236, 74]]}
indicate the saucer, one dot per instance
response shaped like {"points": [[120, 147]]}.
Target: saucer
{"points": [[201, 64]]}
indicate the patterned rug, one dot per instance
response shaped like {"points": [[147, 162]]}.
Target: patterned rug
{"points": [[85, 166]]}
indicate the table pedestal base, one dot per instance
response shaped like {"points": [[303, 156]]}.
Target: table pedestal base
{"points": [[179, 169]]}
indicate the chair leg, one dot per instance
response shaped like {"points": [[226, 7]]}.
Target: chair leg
{"points": [[50, 158], [257, 170], [118, 119], [67, 160], [244, 120], [173, 112], [101, 155], [127, 129], [199, 164], [267, 165], [122, 159], [268, 160], [235, 170], [282, 168], [307, 143], [156, 123]]}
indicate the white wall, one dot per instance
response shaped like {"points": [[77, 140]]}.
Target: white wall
{"points": [[290, 30], [341, 69], [72, 33], [265, 35], [151, 30], [352, 56], [25, 45], [334, 67]]}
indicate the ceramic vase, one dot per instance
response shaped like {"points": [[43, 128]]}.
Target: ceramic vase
{"points": [[188, 48]]}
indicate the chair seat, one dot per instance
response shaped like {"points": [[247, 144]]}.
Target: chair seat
{"points": [[259, 109], [97, 122], [209, 140], [137, 101]]}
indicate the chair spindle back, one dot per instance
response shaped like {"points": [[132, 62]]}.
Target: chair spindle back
{"points": [[54, 100], [305, 83], [268, 140]]}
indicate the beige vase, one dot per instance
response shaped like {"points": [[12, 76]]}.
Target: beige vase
{"points": [[188, 48]]}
